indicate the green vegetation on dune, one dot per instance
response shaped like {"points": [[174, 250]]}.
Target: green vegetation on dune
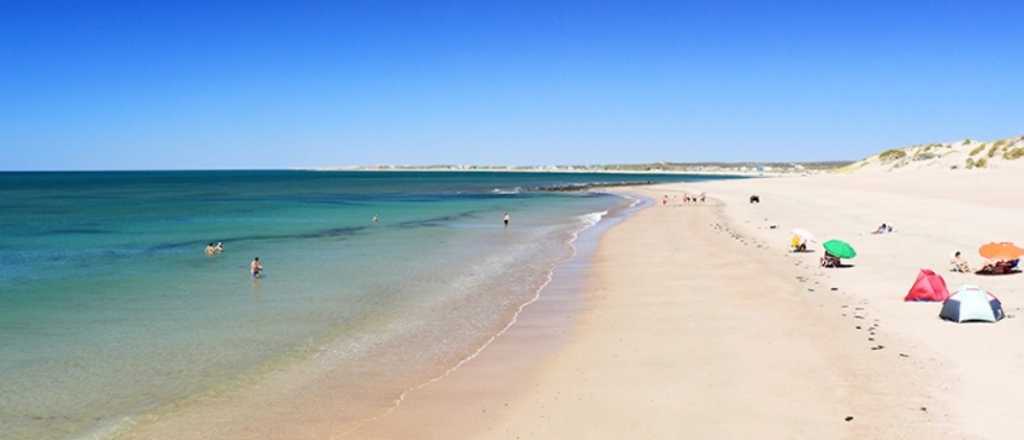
{"points": [[1013, 153], [891, 155], [995, 148], [979, 154]]}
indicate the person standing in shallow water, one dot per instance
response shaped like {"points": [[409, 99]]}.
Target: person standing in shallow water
{"points": [[256, 267], [507, 218]]}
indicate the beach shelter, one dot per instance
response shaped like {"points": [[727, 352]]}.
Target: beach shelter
{"points": [[972, 303], [928, 287]]}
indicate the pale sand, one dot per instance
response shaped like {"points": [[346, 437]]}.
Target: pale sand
{"points": [[975, 369]]}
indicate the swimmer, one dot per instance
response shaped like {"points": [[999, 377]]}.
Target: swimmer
{"points": [[376, 219], [210, 249]]}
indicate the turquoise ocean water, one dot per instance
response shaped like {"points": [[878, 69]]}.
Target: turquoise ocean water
{"points": [[109, 308]]}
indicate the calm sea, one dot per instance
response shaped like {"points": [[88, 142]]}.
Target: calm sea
{"points": [[109, 307]]}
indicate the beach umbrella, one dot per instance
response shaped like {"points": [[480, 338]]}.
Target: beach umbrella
{"points": [[839, 249], [804, 235], [1001, 251], [972, 303]]}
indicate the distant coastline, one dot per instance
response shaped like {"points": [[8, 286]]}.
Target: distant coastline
{"points": [[671, 168]]}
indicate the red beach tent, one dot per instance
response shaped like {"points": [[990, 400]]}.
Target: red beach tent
{"points": [[928, 287]]}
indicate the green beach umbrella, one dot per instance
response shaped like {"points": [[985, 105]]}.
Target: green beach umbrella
{"points": [[840, 249]]}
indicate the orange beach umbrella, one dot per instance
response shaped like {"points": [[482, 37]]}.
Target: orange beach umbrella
{"points": [[1001, 251]]}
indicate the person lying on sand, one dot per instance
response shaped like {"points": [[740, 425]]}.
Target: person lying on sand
{"points": [[959, 264], [1001, 267], [829, 260], [884, 228]]}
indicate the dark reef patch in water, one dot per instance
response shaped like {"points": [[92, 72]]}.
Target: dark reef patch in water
{"points": [[591, 185], [437, 221], [75, 231]]}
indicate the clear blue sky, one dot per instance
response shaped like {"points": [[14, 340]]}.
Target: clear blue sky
{"points": [[157, 85]]}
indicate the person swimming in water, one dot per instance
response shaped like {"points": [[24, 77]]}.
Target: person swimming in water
{"points": [[376, 219], [256, 267], [214, 248], [507, 218]]}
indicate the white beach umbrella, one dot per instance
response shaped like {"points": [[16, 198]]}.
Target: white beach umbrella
{"points": [[804, 235]]}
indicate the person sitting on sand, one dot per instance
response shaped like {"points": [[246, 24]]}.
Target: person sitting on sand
{"points": [[829, 260], [256, 267], [881, 229], [798, 244], [959, 264]]}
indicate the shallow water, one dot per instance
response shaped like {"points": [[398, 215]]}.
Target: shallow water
{"points": [[108, 306]]}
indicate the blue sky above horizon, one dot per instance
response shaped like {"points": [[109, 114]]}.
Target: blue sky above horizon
{"points": [[134, 85]]}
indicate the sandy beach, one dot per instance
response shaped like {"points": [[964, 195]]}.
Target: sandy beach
{"points": [[698, 323], [695, 321]]}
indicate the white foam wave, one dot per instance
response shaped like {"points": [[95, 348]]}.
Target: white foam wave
{"points": [[592, 218], [515, 190]]}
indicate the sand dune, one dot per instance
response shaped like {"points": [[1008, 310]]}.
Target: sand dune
{"points": [[962, 155]]}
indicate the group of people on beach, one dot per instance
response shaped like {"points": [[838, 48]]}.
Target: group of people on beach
{"points": [[957, 263], [687, 198]]}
